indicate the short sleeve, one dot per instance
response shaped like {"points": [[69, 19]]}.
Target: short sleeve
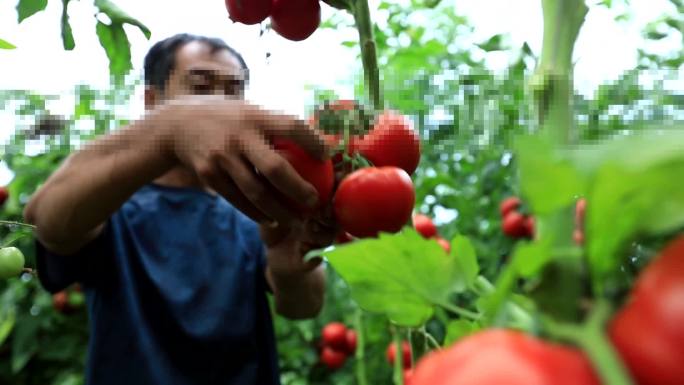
{"points": [[250, 231], [87, 265]]}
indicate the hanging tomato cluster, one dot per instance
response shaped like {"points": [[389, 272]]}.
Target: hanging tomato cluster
{"points": [[292, 19], [425, 227], [337, 343]]}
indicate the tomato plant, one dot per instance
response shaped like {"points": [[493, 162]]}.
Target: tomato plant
{"points": [[496, 357], [391, 354], [648, 331], [424, 225], [248, 11], [332, 358], [508, 205], [374, 199], [335, 335], [515, 225], [295, 19]]}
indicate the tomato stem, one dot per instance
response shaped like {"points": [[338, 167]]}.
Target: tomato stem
{"points": [[398, 357], [13, 223], [360, 367], [369, 57], [465, 313], [591, 337]]}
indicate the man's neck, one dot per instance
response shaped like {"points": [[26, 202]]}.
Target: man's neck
{"points": [[181, 177]]}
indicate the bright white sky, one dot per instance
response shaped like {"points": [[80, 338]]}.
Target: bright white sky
{"points": [[604, 49]]}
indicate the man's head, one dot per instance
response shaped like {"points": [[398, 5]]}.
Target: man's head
{"points": [[189, 65]]}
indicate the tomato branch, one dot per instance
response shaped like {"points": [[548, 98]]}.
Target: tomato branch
{"points": [[369, 57], [360, 367], [591, 337], [398, 357], [13, 223]]}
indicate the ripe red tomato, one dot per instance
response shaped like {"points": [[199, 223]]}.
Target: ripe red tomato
{"points": [[648, 330], [391, 353], [351, 341], [60, 301], [295, 19], [580, 209], [424, 225], [319, 173], [529, 226], [496, 357], [514, 225], [335, 335], [509, 204], [408, 376], [332, 358], [444, 243], [4, 194], [374, 199], [248, 11], [392, 142]]}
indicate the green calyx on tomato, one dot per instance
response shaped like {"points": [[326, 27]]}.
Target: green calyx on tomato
{"points": [[373, 200], [498, 356], [11, 262]]}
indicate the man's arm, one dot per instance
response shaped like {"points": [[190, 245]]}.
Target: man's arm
{"points": [[70, 208], [298, 295]]}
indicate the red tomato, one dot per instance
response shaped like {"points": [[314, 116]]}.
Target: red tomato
{"points": [[248, 11], [424, 225], [392, 142], [514, 225], [580, 209], [332, 358], [4, 194], [391, 353], [374, 199], [444, 243], [319, 173], [295, 19], [60, 301], [351, 341], [408, 376], [509, 204], [648, 331], [335, 335], [529, 226], [498, 357]]}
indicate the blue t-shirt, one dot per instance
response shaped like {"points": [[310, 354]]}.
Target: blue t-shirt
{"points": [[176, 293]]}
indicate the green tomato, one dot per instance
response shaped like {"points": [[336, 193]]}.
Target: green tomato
{"points": [[76, 299], [11, 262]]}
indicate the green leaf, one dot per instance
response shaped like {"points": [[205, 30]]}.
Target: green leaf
{"points": [[494, 43], [458, 329], [4, 44], [28, 8], [465, 261], [24, 344], [67, 34], [7, 319], [115, 42], [118, 16], [548, 180], [402, 275]]}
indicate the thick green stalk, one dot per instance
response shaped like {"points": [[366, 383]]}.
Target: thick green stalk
{"points": [[360, 365], [398, 357], [369, 57]]}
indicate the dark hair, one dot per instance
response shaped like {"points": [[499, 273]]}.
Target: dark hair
{"points": [[161, 58]]}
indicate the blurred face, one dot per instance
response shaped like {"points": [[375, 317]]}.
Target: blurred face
{"points": [[198, 71]]}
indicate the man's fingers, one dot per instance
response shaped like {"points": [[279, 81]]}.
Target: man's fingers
{"points": [[258, 191], [279, 172], [290, 127]]}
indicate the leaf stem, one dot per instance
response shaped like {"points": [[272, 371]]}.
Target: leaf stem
{"points": [[360, 367]]}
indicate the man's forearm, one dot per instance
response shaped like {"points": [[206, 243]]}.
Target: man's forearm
{"points": [[298, 296], [95, 181]]}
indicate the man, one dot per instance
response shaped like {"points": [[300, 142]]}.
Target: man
{"points": [[158, 222]]}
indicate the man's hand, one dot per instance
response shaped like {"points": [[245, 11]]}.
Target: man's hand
{"points": [[298, 286], [226, 142]]}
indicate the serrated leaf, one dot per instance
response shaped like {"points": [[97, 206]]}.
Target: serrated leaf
{"points": [[4, 44], [7, 323], [115, 42], [28, 8], [401, 275], [67, 34], [24, 344], [458, 329]]}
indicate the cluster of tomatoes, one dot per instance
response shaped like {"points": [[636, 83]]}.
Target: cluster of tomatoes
{"points": [[292, 19], [391, 354], [337, 343], [425, 227], [368, 178], [69, 300], [514, 223]]}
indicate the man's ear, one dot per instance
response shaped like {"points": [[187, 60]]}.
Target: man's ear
{"points": [[151, 97]]}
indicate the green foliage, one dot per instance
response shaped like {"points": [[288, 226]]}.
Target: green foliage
{"points": [[28, 8], [4, 44]]}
